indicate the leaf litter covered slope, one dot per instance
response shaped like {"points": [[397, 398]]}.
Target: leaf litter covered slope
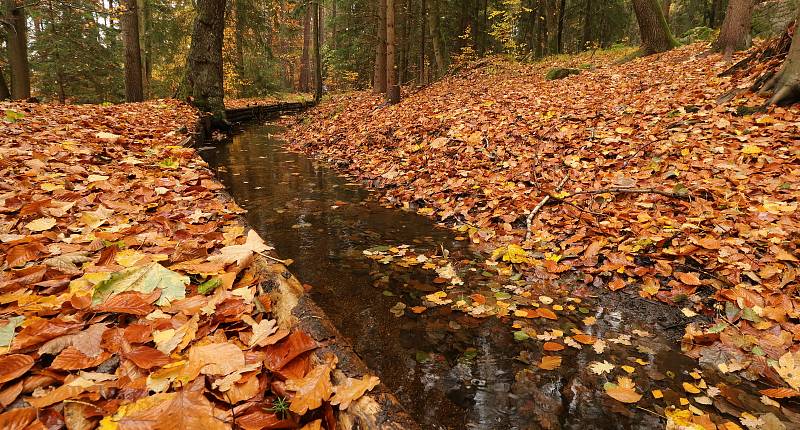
{"points": [[129, 296], [630, 176]]}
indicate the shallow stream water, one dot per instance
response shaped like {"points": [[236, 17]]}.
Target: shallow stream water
{"points": [[450, 370]]}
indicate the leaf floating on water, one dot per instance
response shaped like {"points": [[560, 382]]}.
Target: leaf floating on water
{"points": [[550, 362], [599, 368], [624, 390]]}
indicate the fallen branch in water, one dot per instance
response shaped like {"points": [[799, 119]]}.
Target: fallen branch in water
{"points": [[541, 204]]}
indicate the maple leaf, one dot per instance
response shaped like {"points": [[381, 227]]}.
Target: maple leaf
{"points": [[624, 390], [352, 389], [599, 368], [240, 253], [314, 388], [144, 279]]}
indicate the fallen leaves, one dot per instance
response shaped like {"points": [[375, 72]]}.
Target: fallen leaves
{"points": [[352, 389], [13, 366]]}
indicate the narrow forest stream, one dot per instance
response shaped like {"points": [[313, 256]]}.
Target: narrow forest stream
{"points": [[450, 370]]}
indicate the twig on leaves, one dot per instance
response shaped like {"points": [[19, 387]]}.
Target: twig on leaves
{"points": [[541, 204], [284, 262], [623, 190]]}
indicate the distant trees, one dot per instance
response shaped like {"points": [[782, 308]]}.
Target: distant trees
{"points": [[653, 27], [204, 65]]}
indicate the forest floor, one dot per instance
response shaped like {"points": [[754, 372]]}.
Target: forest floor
{"points": [[629, 177], [130, 289], [238, 103]]}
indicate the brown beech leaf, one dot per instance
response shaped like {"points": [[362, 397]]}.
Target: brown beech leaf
{"points": [[553, 346], [183, 410], [17, 419], [352, 389], [42, 330], [213, 359], [73, 359], [312, 389], [131, 302], [780, 393], [13, 366], [259, 419], [281, 353], [146, 357], [690, 279], [10, 393]]}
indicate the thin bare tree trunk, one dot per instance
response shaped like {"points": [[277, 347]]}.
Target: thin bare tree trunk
{"points": [[422, 42], [435, 37], [392, 88], [735, 32], [317, 52], [305, 72], [561, 17], [204, 74], [656, 35], [379, 83], [134, 88], [18, 50]]}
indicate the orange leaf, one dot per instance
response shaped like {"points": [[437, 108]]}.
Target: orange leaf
{"points": [[17, 419], [553, 346], [585, 339], [780, 393], [550, 362], [313, 389], [281, 353], [690, 279], [14, 366], [616, 284], [546, 313]]}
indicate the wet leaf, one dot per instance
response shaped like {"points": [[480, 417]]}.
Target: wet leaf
{"points": [[624, 390], [550, 362], [352, 389]]}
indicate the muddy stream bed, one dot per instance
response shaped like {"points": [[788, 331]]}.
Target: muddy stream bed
{"points": [[451, 370]]}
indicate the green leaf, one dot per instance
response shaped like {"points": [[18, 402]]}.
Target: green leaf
{"points": [[502, 295], [521, 335], [169, 163], [208, 286], [758, 351], [144, 279], [7, 331], [719, 328]]}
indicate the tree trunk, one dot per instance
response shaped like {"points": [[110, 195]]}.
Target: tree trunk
{"points": [[317, 52], [562, 13], [735, 32], [379, 80], [587, 24], [656, 35], [18, 50], [392, 88], [144, 44], [785, 85], [435, 37], [715, 13], [5, 94], [422, 42], [204, 74], [134, 88], [305, 72]]}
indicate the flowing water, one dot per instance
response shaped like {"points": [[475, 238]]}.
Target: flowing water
{"points": [[450, 370]]}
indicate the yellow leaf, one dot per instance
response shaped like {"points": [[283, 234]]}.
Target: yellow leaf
{"points": [[629, 369], [550, 362], [751, 150], [352, 389], [41, 224], [657, 394], [690, 388]]}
